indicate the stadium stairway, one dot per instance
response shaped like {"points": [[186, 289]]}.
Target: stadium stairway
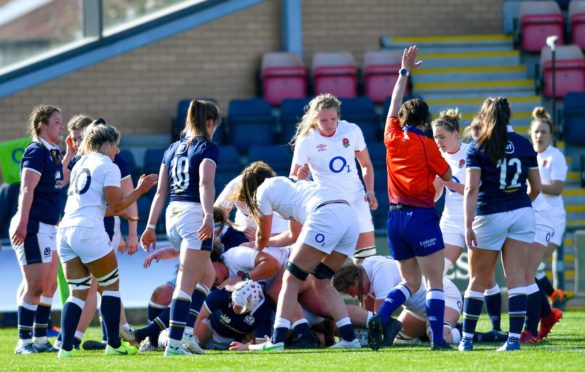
{"points": [[461, 71]]}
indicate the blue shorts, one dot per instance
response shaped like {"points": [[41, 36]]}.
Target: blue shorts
{"points": [[413, 232]]}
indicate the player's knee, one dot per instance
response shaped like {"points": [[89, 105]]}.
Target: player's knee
{"points": [[163, 294], [109, 281], [296, 271], [323, 271]]}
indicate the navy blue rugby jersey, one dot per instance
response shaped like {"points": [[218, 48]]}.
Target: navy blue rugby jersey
{"points": [[227, 323], [109, 222], [503, 185], [182, 162], [47, 163]]}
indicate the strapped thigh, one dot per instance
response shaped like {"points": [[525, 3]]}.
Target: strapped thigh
{"points": [[108, 279], [79, 284]]}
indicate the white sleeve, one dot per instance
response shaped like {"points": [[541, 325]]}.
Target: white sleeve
{"points": [[301, 153], [112, 175], [382, 281], [263, 199], [559, 167], [240, 259], [223, 199], [360, 142]]}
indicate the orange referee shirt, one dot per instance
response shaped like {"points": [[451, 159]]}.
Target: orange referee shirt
{"points": [[412, 162]]}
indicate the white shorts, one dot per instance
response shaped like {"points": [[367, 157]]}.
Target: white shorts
{"points": [[87, 243], [183, 221], [453, 232], [331, 227], [361, 209], [38, 245], [559, 223], [217, 341], [417, 306], [544, 228], [492, 230]]}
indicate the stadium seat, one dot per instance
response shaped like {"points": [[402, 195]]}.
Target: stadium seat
{"points": [[128, 157], [539, 20], [283, 76], [577, 22], [335, 73], [362, 112], [569, 70], [250, 123], [230, 165], [291, 112], [574, 118], [152, 160], [377, 151], [279, 157], [380, 73]]}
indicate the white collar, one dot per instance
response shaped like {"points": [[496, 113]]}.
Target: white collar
{"points": [[510, 129], [47, 145]]}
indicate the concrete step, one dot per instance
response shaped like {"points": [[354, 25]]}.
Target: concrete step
{"points": [[485, 42], [525, 85], [470, 58], [480, 73], [472, 105], [479, 94]]}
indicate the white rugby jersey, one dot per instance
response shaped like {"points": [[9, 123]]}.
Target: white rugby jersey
{"points": [[552, 167], [243, 219], [332, 159], [242, 259], [291, 199], [86, 202], [454, 200]]}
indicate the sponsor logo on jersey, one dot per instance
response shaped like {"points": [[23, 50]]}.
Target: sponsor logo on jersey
{"points": [[510, 148], [321, 147], [345, 142], [182, 148], [47, 251], [225, 319], [461, 163], [249, 319]]}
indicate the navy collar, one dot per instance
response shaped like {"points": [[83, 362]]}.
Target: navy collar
{"points": [[410, 128]]}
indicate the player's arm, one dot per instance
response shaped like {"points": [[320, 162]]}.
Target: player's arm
{"points": [[30, 180], [473, 177], [207, 193], [263, 231], [438, 184], [264, 267], [117, 202], [408, 63], [555, 188], [534, 185], [132, 210], [148, 237], [363, 158], [288, 237]]}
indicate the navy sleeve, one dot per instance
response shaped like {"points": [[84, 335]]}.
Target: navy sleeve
{"points": [[121, 163], [216, 299], [169, 154], [212, 152], [34, 158], [472, 159], [73, 162]]}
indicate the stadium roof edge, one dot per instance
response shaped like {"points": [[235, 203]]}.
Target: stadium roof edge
{"points": [[89, 52]]}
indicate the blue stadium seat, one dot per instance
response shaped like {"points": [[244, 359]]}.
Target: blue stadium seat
{"points": [[574, 118], [361, 111], [128, 157], [230, 165], [250, 122], [279, 157], [291, 112], [152, 160], [377, 151]]}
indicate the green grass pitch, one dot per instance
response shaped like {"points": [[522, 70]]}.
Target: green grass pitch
{"points": [[564, 350]]}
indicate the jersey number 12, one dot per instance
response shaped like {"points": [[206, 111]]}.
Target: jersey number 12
{"points": [[503, 165]]}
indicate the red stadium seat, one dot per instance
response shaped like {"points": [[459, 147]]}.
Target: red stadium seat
{"points": [[335, 73], [380, 73], [569, 70], [283, 76], [539, 20], [577, 22]]}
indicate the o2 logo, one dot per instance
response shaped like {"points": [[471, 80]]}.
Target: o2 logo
{"points": [[338, 164], [320, 239]]}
